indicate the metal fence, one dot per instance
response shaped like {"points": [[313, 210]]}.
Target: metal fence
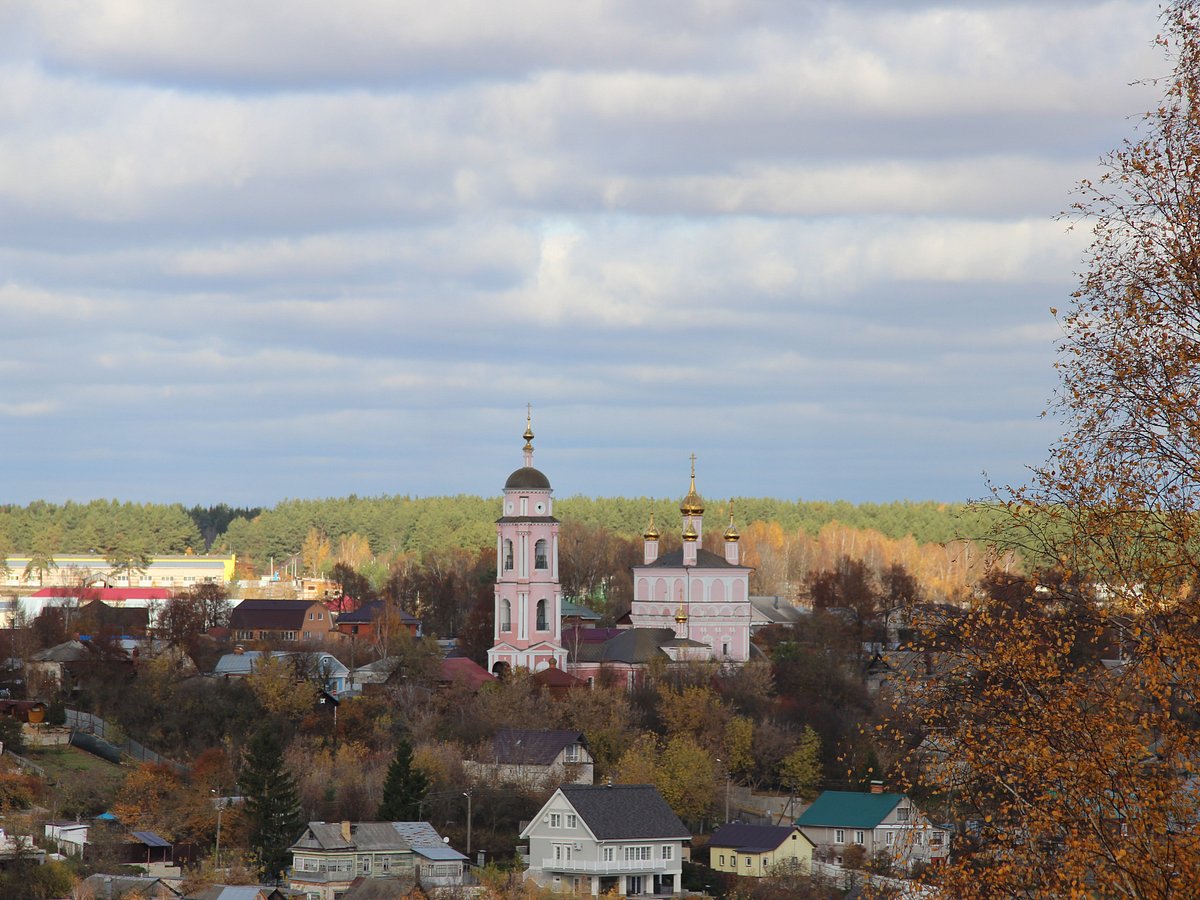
{"points": [[88, 724]]}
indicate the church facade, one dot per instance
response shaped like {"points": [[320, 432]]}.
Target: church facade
{"points": [[704, 596], [690, 604], [528, 598]]}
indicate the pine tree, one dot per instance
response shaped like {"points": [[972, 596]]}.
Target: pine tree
{"points": [[272, 803], [403, 789]]}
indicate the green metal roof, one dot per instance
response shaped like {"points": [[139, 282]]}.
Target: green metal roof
{"points": [[849, 809]]}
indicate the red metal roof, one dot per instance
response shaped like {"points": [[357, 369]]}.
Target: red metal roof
{"points": [[110, 594], [459, 668]]}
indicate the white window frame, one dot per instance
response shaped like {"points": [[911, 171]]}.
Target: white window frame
{"points": [[839, 835], [555, 820]]}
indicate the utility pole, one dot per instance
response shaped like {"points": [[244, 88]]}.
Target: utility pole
{"points": [[467, 794], [220, 808], [723, 766]]}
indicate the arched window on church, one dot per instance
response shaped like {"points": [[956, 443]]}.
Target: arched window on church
{"points": [[539, 555], [508, 555], [542, 625], [505, 616]]}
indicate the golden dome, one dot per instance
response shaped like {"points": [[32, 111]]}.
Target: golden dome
{"points": [[689, 533], [528, 435], [692, 504], [680, 616], [731, 533], [651, 533]]}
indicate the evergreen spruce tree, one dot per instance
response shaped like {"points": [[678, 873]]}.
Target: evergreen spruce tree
{"points": [[403, 789], [272, 804]]}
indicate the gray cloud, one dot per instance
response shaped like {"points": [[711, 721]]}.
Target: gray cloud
{"points": [[256, 251]]}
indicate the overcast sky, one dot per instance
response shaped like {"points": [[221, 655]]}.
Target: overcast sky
{"points": [[253, 250]]}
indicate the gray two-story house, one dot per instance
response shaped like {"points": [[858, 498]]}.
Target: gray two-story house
{"points": [[878, 822], [330, 855], [607, 837]]}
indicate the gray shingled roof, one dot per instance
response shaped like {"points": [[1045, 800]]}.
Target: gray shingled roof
{"points": [[368, 836], [625, 812], [68, 651], [418, 834], [527, 747]]}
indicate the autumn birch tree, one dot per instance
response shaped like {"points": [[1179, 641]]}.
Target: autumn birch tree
{"points": [[1083, 776]]}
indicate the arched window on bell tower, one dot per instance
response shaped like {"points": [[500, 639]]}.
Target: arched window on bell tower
{"points": [[508, 555], [539, 555], [505, 616], [542, 624]]}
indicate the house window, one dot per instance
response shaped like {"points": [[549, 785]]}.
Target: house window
{"points": [[668, 852], [364, 865], [935, 839], [539, 555], [311, 615], [320, 616], [571, 754], [889, 838], [724, 648], [245, 635], [572, 821], [505, 616], [542, 624], [289, 636], [508, 553], [902, 814], [637, 854], [307, 635], [749, 862], [858, 837], [555, 820], [610, 854], [722, 859], [839, 836]]}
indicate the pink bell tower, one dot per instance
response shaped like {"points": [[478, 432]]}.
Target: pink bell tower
{"points": [[528, 599]]}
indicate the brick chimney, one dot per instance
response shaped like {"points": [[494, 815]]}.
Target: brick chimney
{"points": [[346, 830], [876, 787]]}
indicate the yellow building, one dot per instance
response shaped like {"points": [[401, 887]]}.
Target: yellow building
{"points": [[756, 850]]}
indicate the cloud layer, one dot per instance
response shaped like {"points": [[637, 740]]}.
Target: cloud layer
{"points": [[252, 250]]}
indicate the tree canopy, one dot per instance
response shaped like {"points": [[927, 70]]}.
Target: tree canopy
{"points": [[1065, 722]]}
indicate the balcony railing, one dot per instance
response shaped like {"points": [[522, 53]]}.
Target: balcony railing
{"points": [[596, 867]]}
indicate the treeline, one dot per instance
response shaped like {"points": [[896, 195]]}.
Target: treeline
{"points": [[401, 525], [783, 539], [106, 527]]}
